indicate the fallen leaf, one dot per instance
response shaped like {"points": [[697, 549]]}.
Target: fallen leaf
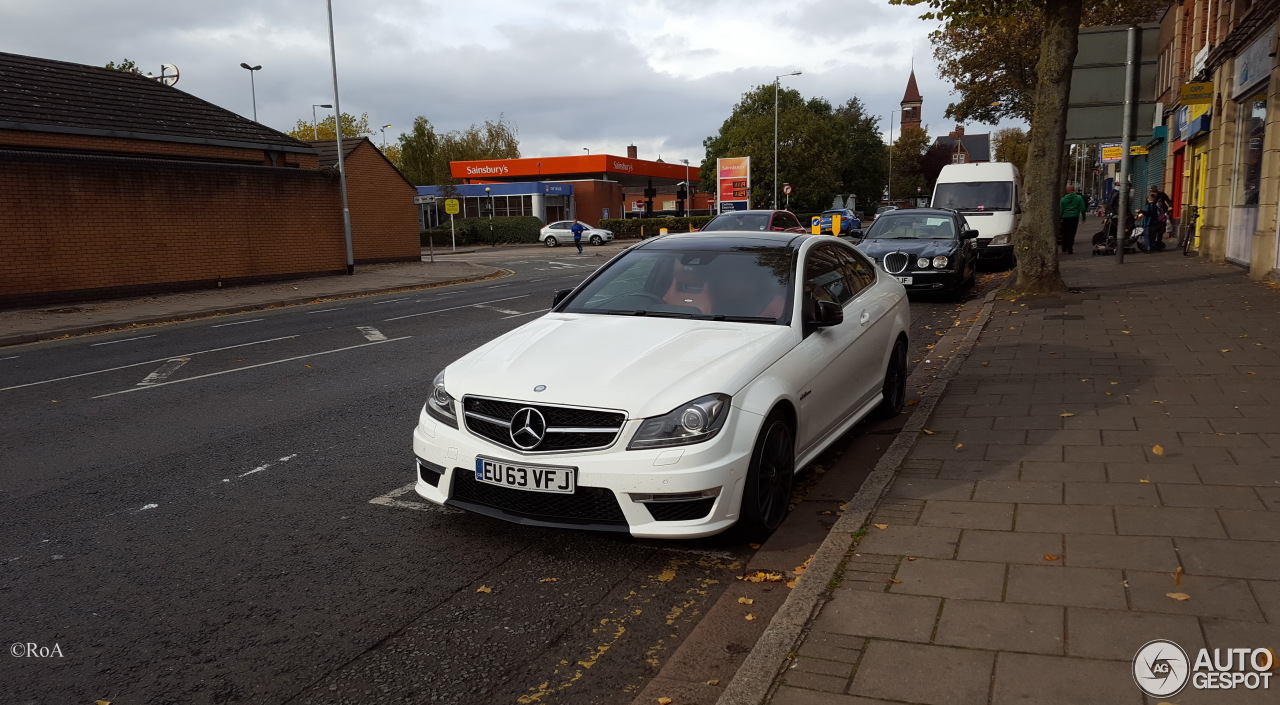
{"points": [[913, 402], [881, 526], [754, 545], [1125, 332], [841, 508], [986, 364], [1225, 350], [714, 681], [1050, 557], [664, 701], [750, 617], [761, 576], [894, 581], [1115, 383], [911, 558], [1066, 415], [745, 601], [1158, 401], [483, 588], [959, 446], [1145, 480], [1157, 449], [1124, 583], [1177, 576], [792, 583], [1084, 379], [549, 580], [1179, 596], [927, 432]]}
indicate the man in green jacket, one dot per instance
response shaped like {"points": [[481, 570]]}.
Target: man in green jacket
{"points": [[1072, 210]]}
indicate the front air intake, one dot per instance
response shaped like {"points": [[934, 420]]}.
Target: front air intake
{"points": [[896, 262]]}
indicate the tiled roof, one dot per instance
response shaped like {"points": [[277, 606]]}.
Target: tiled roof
{"points": [[913, 93], [57, 96], [328, 151]]}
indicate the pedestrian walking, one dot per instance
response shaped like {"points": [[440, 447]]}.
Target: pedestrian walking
{"points": [[1164, 205], [1072, 211], [1150, 215], [577, 229]]}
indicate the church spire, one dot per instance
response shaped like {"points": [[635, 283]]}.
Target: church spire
{"points": [[911, 102]]}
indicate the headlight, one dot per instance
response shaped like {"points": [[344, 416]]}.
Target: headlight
{"points": [[1001, 239], [697, 421], [922, 263], [940, 262], [440, 405]]}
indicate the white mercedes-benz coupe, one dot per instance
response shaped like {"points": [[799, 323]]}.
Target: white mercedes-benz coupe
{"points": [[675, 392]]}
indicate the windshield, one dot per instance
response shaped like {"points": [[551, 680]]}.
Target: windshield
{"points": [[907, 226], [748, 284], [739, 221], [975, 196]]}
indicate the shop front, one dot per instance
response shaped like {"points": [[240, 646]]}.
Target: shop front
{"points": [[1252, 69]]}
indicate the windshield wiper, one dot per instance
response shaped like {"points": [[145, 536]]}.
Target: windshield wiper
{"points": [[736, 319], [642, 312]]}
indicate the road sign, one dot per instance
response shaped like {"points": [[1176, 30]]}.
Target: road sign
{"points": [[786, 188], [1112, 153], [451, 206], [419, 200]]}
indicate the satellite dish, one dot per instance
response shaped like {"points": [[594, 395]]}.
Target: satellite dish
{"points": [[168, 74]]}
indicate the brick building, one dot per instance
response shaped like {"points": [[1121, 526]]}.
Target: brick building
{"points": [[384, 221], [113, 184]]}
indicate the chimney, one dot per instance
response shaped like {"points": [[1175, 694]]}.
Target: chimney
{"points": [[958, 133], [632, 152]]}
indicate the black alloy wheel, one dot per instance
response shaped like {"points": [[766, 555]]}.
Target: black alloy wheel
{"points": [[767, 495], [895, 383]]}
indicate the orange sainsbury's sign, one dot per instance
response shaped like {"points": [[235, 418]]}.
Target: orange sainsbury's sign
{"points": [[733, 191]]}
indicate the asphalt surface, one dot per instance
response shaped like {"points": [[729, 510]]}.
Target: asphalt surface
{"points": [[216, 511]]}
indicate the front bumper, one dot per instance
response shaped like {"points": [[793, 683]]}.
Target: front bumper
{"points": [[931, 279], [615, 487], [987, 251]]}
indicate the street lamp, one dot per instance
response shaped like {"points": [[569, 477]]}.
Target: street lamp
{"points": [[492, 241], [315, 129], [776, 80], [588, 151], [337, 132], [252, 90], [891, 112], [688, 187], [384, 137]]}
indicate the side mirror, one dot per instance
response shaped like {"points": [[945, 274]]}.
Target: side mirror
{"points": [[827, 314], [969, 235], [559, 296]]}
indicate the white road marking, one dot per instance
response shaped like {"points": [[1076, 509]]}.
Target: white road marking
{"points": [[496, 308], [14, 357], [371, 333], [534, 280], [389, 500], [262, 467], [164, 371], [530, 313], [495, 286], [326, 310], [250, 367], [448, 293], [148, 362], [237, 323], [148, 506], [453, 308], [122, 340], [389, 301]]}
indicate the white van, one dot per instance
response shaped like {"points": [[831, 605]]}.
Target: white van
{"points": [[987, 194]]}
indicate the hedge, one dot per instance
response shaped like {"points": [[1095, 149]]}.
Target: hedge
{"points": [[475, 231], [630, 227]]}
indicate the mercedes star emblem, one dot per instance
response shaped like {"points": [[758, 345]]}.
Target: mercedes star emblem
{"points": [[540, 388], [528, 427]]}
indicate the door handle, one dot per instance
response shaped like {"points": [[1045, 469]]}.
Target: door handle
{"points": [[864, 318]]}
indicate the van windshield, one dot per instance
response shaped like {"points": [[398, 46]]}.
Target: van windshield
{"points": [[974, 196]]}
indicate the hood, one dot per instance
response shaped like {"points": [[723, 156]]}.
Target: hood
{"points": [[877, 249], [644, 366]]}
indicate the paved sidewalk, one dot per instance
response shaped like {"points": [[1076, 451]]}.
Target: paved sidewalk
{"points": [[27, 325], [1099, 457]]}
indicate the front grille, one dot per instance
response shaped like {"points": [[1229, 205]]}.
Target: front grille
{"points": [[587, 505], [482, 412], [680, 511], [896, 262]]}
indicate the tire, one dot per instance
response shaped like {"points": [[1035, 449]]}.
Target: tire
{"points": [[895, 383], [551, 241], [596, 240], [767, 493]]}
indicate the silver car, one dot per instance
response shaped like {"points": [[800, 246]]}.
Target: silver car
{"points": [[553, 234]]}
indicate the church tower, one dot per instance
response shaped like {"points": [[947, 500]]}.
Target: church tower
{"points": [[911, 102]]}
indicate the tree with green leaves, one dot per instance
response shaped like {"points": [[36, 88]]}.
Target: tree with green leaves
{"points": [[1010, 145], [908, 152], [352, 127], [424, 154], [125, 65], [822, 151]]}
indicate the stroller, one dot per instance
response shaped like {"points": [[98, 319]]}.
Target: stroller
{"points": [[1104, 242]]}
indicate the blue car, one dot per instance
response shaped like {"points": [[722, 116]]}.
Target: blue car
{"points": [[849, 221]]}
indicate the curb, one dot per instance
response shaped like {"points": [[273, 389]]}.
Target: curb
{"points": [[756, 676], [73, 331]]}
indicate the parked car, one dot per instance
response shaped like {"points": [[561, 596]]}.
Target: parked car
{"points": [[850, 223], [755, 221], [554, 234], [926, 249], [733, 360], [882, 210]]}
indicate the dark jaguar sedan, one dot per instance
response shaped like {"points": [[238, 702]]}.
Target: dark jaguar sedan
{"points": [[927, 249]]}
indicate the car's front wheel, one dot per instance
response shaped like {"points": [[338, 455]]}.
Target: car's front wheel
{"points": [[551, 241], [767, 493], [895, 383], [595, 240]]}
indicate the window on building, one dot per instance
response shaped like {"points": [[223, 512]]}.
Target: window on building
{"points": [[1253, 124]]}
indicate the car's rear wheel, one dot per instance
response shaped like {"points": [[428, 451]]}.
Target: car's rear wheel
{"points": [[895, 383], [551, 241], [767, 494], [595, 240]]}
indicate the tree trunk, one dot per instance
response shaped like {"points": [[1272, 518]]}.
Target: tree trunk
{"points": [[1035, 242]]}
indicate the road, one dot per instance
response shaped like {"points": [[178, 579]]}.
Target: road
{"points": [[217, 511]]}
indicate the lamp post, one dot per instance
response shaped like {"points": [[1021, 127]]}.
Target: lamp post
{"points": [[776, 81], [588, 151], [492, 242], [688, 187], [384, 137], [891, 112], [315, 128], [253, 91], [337, 131]]}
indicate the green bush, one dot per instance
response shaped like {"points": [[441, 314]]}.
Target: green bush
{"points": [[630, 227], [475, 231]]}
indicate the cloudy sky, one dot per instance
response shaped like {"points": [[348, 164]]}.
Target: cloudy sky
{"points": [[572, 74]]}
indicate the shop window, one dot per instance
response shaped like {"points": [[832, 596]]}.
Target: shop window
{"points": [[1253, 125]]}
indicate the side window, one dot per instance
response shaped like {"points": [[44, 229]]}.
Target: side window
{"points": [[858, 270], [786, 220], [825, 276]]}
